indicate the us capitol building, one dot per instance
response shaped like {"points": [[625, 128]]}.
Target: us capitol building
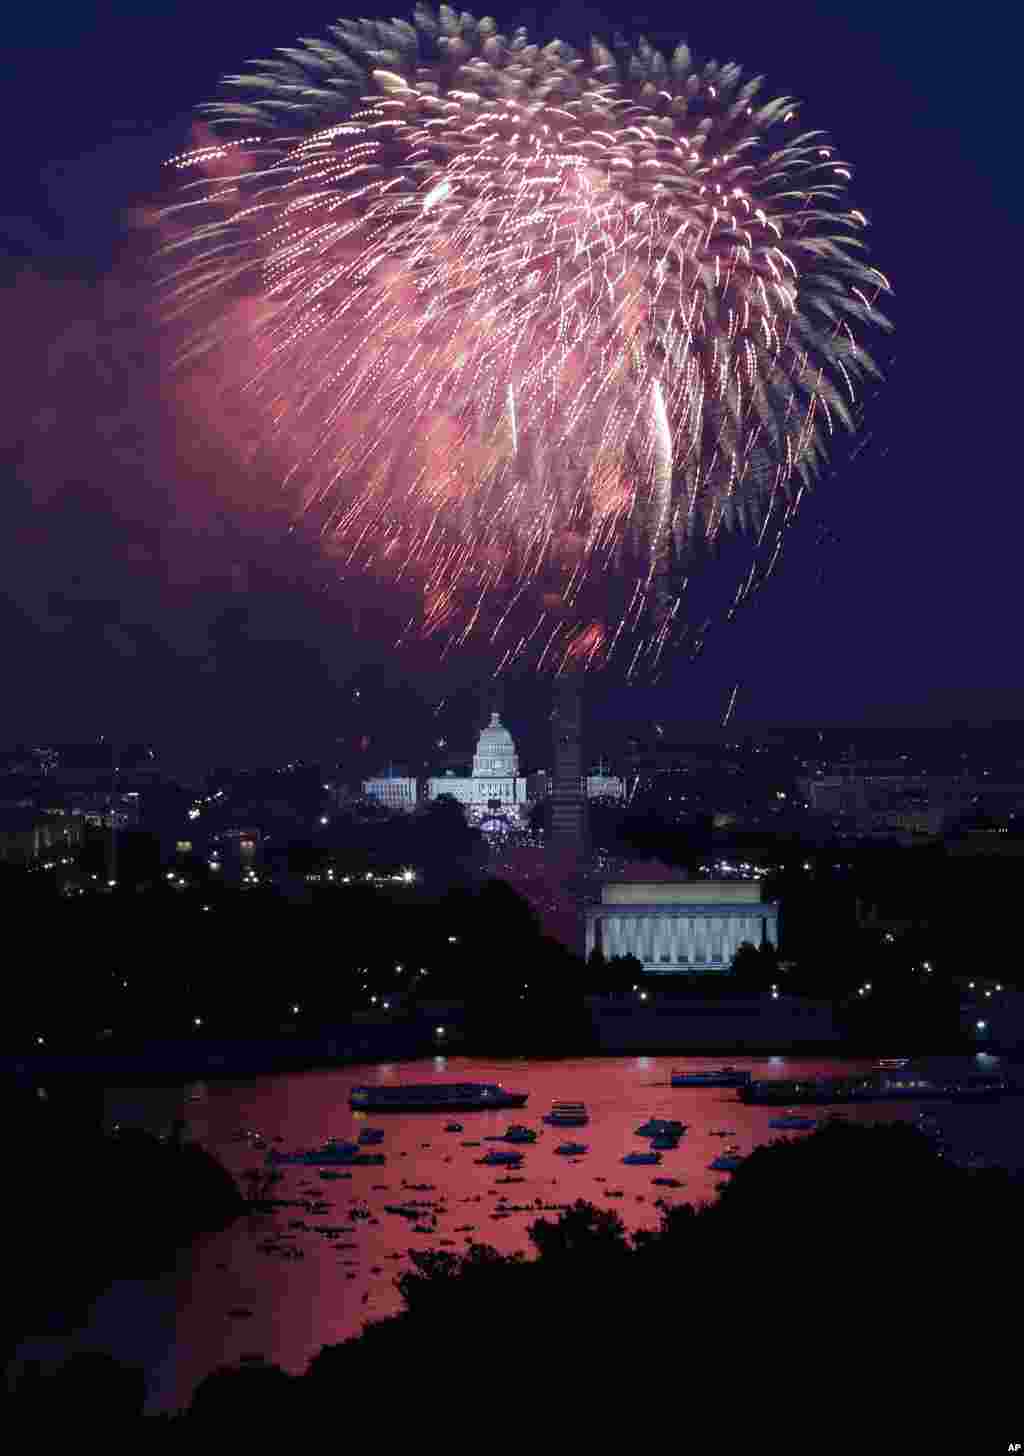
{"points": [[494, 789], [495, 784]]}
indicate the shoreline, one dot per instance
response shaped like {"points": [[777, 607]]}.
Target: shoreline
{"points": [[161, 1063]]}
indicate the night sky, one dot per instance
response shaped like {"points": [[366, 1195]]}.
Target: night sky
{"points": [[152, 592]]}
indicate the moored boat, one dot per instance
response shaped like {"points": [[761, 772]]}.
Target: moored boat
{"points": [[501, 1157], [567, 1114], [726, 1162], [661, 1127], [332, 1153], [572, 1150], [712, 1077], [431, 1096], [516, 1133], [904, 1085], [642, 1159]]}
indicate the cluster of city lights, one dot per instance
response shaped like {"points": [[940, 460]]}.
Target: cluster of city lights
{"points": [[405, 877]]}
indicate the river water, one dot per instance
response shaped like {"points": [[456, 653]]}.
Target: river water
{"points": [[182, 1327]]}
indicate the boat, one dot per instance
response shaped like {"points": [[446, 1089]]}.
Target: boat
{"points": [[572, 1150], [713, 1077], [500, 1158], [642, 1158], [665, 1140], [726, 1162], [453, 1127], [889, 1086], [667, 1182], [661, 1127], [793, 1123], [332, 1153], [567, 1114], [430, 1096], [371, 1135], [515, 1133]]}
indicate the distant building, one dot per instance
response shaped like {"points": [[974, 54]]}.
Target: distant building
{"points": [[394, 791], [600, 784], [495, 789], [28, 834], [680, 926]]}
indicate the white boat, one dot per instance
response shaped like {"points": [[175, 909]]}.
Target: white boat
{"points": [[567, 1114], [713, 1077]]}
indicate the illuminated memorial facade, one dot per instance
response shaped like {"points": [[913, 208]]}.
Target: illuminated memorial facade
{"points": [[681, 927]]}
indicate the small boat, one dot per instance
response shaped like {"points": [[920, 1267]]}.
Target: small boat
{"points": [[454, 1127], [431, 1096], [642, 1159], [667, 1182], [497, 1158], [332, 1153], [519, 1134], [371, 1135], [572, 1150], [514, 1134], [713, 1077], [661, 1127], [793, 1123], [567, 1114], [726, 1162], [665, 1141]]}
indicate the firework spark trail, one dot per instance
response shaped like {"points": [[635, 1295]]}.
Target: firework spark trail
{"points": [[521, 327]]}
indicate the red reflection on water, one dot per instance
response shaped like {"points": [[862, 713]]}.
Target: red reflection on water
{"points": [[298, 1305]]}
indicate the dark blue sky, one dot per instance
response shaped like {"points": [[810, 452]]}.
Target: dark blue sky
{"points": [[130, 606]]}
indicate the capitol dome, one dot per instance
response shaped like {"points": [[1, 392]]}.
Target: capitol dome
{"points": [[495, 756]]}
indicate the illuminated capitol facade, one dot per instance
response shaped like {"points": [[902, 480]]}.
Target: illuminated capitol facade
{"points": [[495, 787], [681, 927]]}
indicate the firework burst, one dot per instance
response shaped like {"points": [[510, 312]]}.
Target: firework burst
{"points": [[523, 328]]}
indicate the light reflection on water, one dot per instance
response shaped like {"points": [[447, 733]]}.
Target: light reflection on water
{"points": [[300, 1304]]}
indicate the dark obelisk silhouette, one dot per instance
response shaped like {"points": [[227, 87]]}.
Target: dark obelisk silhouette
{"points": [[568, 805]]}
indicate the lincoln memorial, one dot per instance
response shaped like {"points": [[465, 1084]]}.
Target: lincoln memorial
{"points": [[681, 926]]}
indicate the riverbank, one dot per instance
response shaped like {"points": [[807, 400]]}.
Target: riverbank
{"points": [[804, 1233], [121, 1207], [686, 1025]]}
